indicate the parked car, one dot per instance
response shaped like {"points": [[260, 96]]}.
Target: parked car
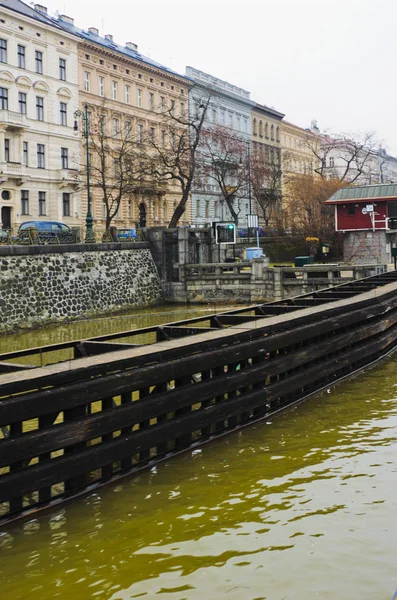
{"points": [[45, 232], [126, 235], [45, 227]]}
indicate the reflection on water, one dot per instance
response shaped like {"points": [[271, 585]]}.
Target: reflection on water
{"points": [[300, 508]]}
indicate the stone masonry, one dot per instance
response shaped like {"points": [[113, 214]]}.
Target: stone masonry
{"points": [[48, 287]]}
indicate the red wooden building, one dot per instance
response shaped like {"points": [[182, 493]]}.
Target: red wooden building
{"points": [[367, 216]]}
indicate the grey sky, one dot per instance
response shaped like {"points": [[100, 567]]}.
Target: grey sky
{"points": [[329, 61]]}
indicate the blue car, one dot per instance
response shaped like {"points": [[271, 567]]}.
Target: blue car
{"points": [[126, 235]]}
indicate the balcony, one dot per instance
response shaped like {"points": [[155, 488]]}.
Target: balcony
{"points": [[69, 177], [150, 187], [12, 171], [13, 120]]}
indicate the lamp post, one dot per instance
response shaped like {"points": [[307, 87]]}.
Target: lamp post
{"points": [[249, 173], [89, 234]]}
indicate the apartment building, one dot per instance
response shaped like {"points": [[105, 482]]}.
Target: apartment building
{"points": [[129, 92], [39, 151], [230, 108]]}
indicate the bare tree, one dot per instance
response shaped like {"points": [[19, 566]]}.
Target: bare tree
{"points": [[346, 157], [175, 152], [225, 161], [117, 161], [266, 175]]}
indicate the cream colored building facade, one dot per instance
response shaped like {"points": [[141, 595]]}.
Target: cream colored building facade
{"points": [[128, 87], [39, 151]]}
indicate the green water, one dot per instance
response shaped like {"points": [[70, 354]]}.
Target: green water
{"points": [[303, 507]]}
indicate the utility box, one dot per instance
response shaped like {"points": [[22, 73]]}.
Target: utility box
{"points": [[301, 261], [253, 253]]}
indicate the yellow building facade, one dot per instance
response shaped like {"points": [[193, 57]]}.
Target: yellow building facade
{"points": [[127, 88]]}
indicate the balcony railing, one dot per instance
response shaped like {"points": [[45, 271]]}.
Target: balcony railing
{"points": [[13, 119]]}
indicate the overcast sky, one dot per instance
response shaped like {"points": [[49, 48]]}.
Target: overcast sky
{"points": [[331, 60]]}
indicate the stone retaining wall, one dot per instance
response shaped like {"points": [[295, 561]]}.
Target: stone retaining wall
{"points": [[51, 286]]}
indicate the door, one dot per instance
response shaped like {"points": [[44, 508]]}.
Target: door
{"points": [[142, 215], [6, 217]]}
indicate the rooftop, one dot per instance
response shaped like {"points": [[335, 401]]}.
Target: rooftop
{"points": [[383, 191]]}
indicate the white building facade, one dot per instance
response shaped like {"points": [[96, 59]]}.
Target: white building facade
{"points": [[230, 106], [39, 150]]}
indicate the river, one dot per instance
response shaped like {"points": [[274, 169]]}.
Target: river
{"points": [[300, 507]]}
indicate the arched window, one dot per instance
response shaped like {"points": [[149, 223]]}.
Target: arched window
{"points": [[164, 211], [272, 132], [267, 131], [260, 129], [254, 127], [277, 133]]}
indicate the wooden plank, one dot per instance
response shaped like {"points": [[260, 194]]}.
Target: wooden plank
{"points": [[88, 348]]}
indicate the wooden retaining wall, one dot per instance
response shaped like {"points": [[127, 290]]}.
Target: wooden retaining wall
{"points": [[80, 423]]}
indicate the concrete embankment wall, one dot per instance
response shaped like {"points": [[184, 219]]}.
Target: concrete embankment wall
{"points": [[47, 284]]}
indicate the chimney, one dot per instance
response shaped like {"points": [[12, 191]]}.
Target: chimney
{"points": [[109, 37], [93, 30], [131, 46], [40, 8], [66, 19]]}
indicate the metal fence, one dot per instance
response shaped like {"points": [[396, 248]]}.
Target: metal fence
{"points": [[33, 237]]}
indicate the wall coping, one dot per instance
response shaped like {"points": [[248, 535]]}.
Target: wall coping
{"points": [[70, 248]]}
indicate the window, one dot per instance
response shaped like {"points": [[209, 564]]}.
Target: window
{"points": [[214, 117], [3, 98], [351, 209], [151, 134], [127, 94], [267, 131], [272, 132], [115, 128], [277, 133], [182, 109], [22, 103], [66, 204], [38, 61], [172, 106], [163, 138], [7, 150], [86, 81], [40, 108], [21, 56], [140, 134], [62, 69], [42, 210], [222, 118], [24, 202], [331, 161], [25, 154], [64, 158], [101, 86], [139, 98], [128, 129], [254, 131], [40, 156], [116, 168], [238, 123], [63, 113], [230, 120], [162, 103], [260, 129], [151, 101], [3, 51], [114, 90]]}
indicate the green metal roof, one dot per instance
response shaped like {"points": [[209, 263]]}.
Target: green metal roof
{"points": [[365, 192]]}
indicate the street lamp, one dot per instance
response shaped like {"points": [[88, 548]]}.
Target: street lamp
{"points": [[89, 234]]}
